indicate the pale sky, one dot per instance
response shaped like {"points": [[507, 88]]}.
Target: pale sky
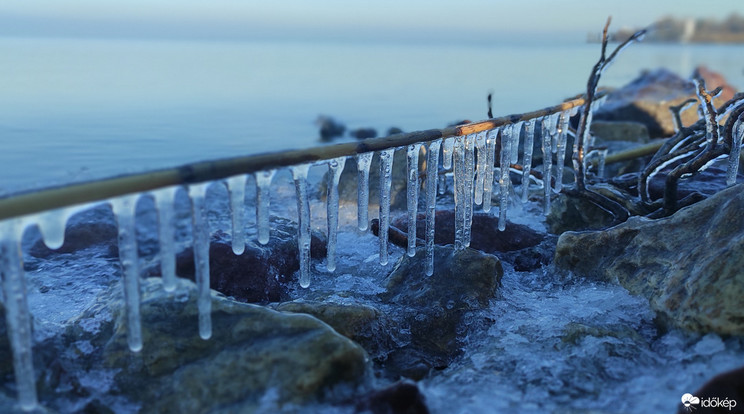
{"points": [[395, 20]]}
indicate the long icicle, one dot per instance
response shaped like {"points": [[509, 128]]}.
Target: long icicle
{"points": [[17, 315], [560, 146], [236, 188], [447, 148], [201, 235], [491, 137], [335, 167], [164, 203], [516, 135], [432, 168], [480, 146], [123, 208], [412, 157], [547, 137], [299, 174], [263, 200], [386, 178], [469, 176], [504, 178], [459, 173], [363, 160], [529, 142]]}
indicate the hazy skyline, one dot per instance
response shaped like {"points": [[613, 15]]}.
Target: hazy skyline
{"points": [[381, 20]]}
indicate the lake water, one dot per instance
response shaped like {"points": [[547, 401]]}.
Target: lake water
{"points": [[74, 109]]}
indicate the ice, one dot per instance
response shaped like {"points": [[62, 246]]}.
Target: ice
{"points": [[460, 174], [560, 148], [480, 145], [709, 344], [733, 163], [17, 316], [547, 135], [364, 160], [201, 233], [447, 147], [335, 167], [52, 226], [123, 208], [491, 138], [516, 133], [469, 176], [299, 174], [412, 156], [432, 167], [386, 178], [504, 179], [164, 203], [529, 137], [601, 157], [236, 188], [709, 126], [263, 198]]}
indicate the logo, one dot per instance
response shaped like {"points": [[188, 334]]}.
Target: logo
{"points": [[691, 402]]}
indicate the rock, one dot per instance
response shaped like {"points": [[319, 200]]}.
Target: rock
{"points": [[79, 236], [463, 281], [394, 130], [363, 133], [688, 265], [403, 397], [253, 352], [6, 355], [728, 386], [647, 100], [568, 213], [261, 274], [604, 131], [330, 128]]}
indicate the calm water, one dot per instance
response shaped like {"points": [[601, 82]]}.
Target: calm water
{"points": [[72, 110]]}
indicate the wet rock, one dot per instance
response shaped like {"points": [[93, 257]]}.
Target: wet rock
{"points": [[688, 265], [403, 397], [647, 100], [253, 352], [363, 133], [260, 274], [330, 128], [79, 236], [435, 306], [569, 213], [728, 386], [630, 131]]}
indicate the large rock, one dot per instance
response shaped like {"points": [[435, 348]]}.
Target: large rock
{"points": [[253, 352], [647, 100], [688, 265]]}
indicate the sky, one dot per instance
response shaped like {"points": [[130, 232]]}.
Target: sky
{"points": [[394, 20]]}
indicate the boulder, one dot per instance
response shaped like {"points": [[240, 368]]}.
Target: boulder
{"points": [[628, 131], [329, 128], [688, 265], [253, 352]]}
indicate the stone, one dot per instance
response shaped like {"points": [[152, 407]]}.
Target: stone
{"points": [[6, 355], [630, 131], [363, 133], [688, 264], [253, 352], [80, 236], [330, 128], [402, 397]]}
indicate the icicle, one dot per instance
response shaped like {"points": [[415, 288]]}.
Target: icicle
{"points": [[447, 148], [529, 142], [488, 176], [412, 155], [547, 132], [299, 174], [364, 160], [164, 203], [236, 188], [504, 179], [561, 149], [201, 235], [432, 167], [516, 133], [52, 226], [554, 126], [123, 208], [480, 144], [263, 198], [386, 179], [17, 316], [601, 156], [459, 173], [469, 183], [733, 163], [335, 167], [442, 187]]}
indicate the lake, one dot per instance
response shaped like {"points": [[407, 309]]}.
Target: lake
{"points": [[78, 109]]}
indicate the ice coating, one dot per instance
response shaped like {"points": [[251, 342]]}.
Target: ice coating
{"points": [[480, 145], [52, 226], [560, 144], [432, 167], [236, 189], [263, 199], [164, 203], [547, 136], [201, 234], [299, 174], [364, 160], [447, 147], [123, 208], [386, 179], [459, 173], [733, 163], [469, 176], [491, 138], [516, 133], [504, 178], [17, 315], [529, 142], [335, 167], [412, 156]]}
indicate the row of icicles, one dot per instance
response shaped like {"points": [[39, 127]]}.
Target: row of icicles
{"points": [[471, 158]]}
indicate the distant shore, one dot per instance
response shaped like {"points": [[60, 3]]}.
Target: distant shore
{"points": [[677, 30]]}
